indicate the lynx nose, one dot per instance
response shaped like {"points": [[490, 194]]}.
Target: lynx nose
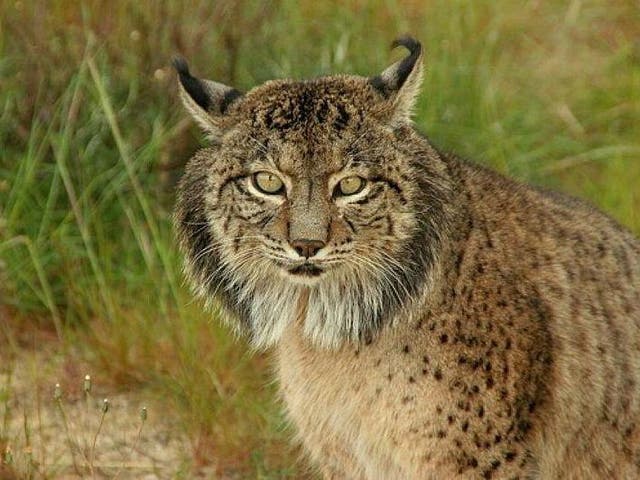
{"points": [[307, 248]]}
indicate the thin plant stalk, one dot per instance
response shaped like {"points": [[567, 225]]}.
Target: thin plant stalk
{"points": [[92, 453], [70, 441], [134, 447]]}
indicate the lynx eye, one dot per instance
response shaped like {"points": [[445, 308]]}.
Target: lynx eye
{"points": [[268, 183], [350, 185]]}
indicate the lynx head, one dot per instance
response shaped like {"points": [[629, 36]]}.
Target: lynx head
{"points": [[316, 201]]}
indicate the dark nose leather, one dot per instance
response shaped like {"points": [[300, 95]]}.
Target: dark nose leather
{"points": [[307, 248]]}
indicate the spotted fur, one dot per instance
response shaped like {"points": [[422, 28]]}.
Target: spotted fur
{"points": [[452, 323]]}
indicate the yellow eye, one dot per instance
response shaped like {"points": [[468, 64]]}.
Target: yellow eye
{"points": [[268, 183], [351, 185]]}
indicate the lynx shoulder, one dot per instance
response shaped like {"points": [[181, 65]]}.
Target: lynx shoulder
{"points": [[431, 318]]}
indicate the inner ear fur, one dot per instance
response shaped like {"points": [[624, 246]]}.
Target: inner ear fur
{"points": [[207, 101]]}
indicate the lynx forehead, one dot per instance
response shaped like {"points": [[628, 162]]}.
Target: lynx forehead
{"points": [[431, 318]]}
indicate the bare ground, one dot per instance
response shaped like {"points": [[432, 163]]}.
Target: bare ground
{"points": [[45, 438]]}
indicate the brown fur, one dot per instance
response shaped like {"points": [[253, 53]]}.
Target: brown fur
{"points": [[506, 343]]}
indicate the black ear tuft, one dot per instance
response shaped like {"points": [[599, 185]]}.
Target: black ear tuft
{"points": [[192, 85], [409, 43], [391, 80], [407, 64], [180, 64]]}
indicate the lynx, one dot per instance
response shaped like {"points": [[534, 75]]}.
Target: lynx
{"points": [[431, 319]]}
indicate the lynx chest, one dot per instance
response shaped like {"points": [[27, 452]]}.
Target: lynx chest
{"points": [[397, 407]]}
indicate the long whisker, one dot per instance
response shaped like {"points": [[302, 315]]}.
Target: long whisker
{"points": [[379, 271]]}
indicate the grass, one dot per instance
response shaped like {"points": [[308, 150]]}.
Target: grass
{"points": [[93, 140]]}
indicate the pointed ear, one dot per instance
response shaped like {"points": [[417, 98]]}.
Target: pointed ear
{"points": [[400, 83], [205, 100]]}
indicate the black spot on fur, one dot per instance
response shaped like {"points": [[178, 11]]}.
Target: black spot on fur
{"points": [[343, 118], [229, 97]]}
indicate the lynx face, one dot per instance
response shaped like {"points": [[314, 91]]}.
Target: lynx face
{"points": [[309, 202]]}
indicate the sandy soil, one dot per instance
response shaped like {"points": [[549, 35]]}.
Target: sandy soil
{"points": [[40, 443]]}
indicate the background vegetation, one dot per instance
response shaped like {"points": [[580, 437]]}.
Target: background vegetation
{"points": [[93, 139]]}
